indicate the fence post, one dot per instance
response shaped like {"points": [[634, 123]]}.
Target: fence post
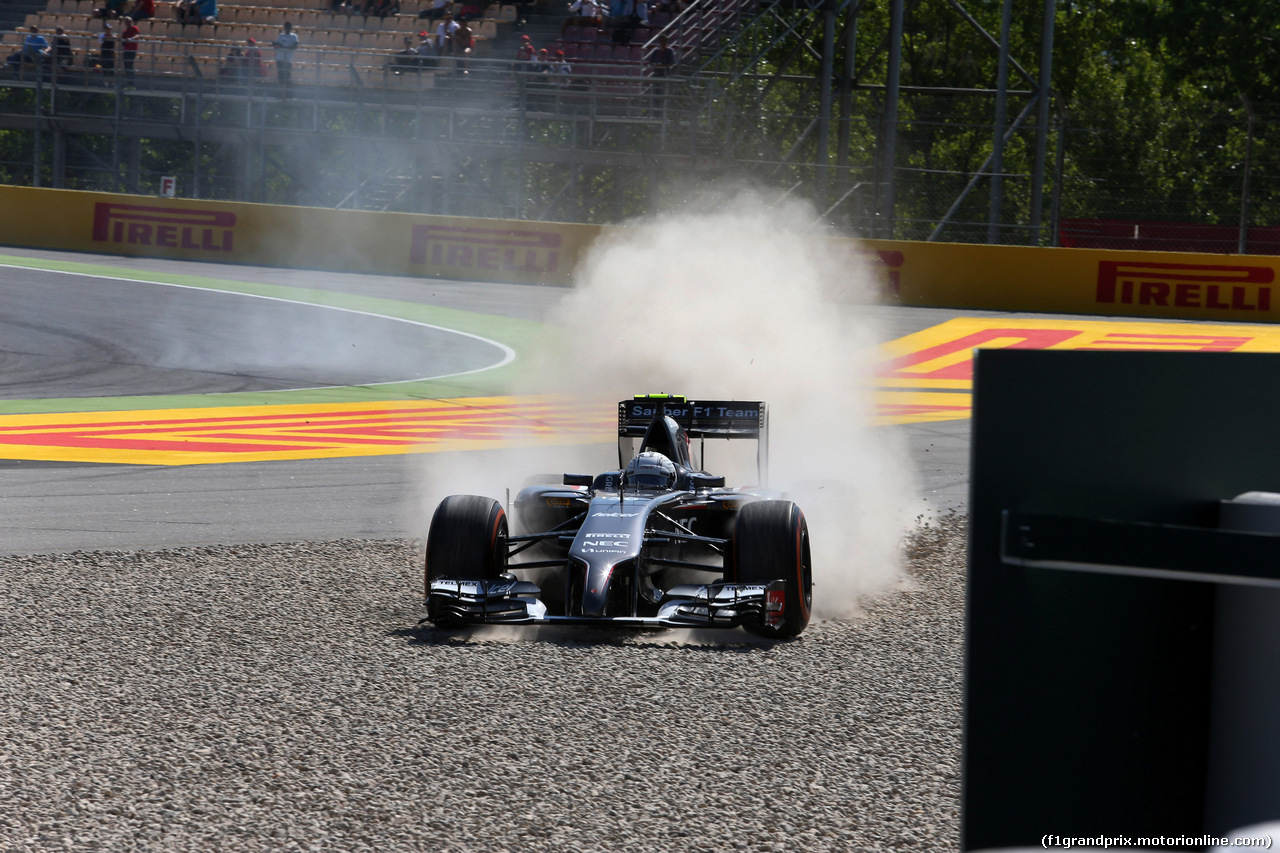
{"points": [[1243, 247]]}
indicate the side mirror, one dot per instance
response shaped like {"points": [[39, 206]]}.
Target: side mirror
{"points": [[583, 479], [699, 480]]}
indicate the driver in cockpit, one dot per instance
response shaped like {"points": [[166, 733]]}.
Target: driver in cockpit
{"points": [[650, 470]]}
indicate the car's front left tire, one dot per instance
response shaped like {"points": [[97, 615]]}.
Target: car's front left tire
{"points": [[467, 539]]}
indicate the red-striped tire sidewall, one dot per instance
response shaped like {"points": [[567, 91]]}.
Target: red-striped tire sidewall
{"points": [[466, 539], [771, 542]]}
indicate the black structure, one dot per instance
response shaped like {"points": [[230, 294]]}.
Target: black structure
{"points": [[1121, 644]]}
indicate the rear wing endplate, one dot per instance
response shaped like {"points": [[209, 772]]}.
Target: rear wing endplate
{"points": [[700, 419]]}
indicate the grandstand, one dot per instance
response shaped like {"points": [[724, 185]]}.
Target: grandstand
{"points": [[344, 50], [468, 137]]}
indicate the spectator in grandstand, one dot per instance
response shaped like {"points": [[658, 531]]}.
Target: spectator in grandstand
{"points": [[522, 12], [560, 69], [524, 53], [196, 12], [63, 55], [381, 8], [436, 10], [427, 53], [112, 9], [253, 65], [467, 10], [444, 34], [404, 59], [105, 58], [285, 44], [661, 61], [35, 47], [143, 10], [129, 45], [208, 11], [582, 13], [624, 17], [463, 41], [232, 69]]}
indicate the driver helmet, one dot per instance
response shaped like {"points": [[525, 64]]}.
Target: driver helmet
{"points": [[651, 470]]}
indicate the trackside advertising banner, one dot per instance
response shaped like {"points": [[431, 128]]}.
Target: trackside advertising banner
{"points": [[309, 238], [1085, 281]]}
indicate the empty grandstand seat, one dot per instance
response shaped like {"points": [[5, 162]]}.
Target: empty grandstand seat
{"points": [[590, 33]]}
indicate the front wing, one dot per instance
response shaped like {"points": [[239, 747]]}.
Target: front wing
{"points": [[508, 602]]}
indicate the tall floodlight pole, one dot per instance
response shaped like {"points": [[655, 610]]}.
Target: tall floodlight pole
{"points": [[997, 150], [846, 88], [1042, 119], [889, 133], [824, 98], [1242, 245]]}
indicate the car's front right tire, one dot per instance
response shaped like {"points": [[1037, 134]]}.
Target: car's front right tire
{"points": [[771, 542]]}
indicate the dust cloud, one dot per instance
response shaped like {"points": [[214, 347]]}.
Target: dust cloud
{"points": [[736, 302]]}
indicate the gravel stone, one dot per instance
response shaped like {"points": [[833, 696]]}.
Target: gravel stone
{"points": [[283, 698]]}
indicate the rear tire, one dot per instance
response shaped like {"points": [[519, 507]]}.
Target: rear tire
{"points": [[468, 539], [771, 542]]}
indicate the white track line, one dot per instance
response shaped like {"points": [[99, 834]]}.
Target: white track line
{"points": [[508, 354]]}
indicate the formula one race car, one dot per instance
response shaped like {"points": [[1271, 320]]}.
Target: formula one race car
{"points": [[656, 543]]}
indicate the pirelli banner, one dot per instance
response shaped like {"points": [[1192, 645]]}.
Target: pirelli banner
{"points": [[1078, 281], [1085, 281], [303, 237]]}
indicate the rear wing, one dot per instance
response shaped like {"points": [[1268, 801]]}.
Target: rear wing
{"points": [[700, 419]]}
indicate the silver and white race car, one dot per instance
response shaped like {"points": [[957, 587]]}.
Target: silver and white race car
{"points": [[656, 543]]}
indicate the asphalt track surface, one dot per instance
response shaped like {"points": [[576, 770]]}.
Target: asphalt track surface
{"points": [[78, 336], [68, 336]]}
